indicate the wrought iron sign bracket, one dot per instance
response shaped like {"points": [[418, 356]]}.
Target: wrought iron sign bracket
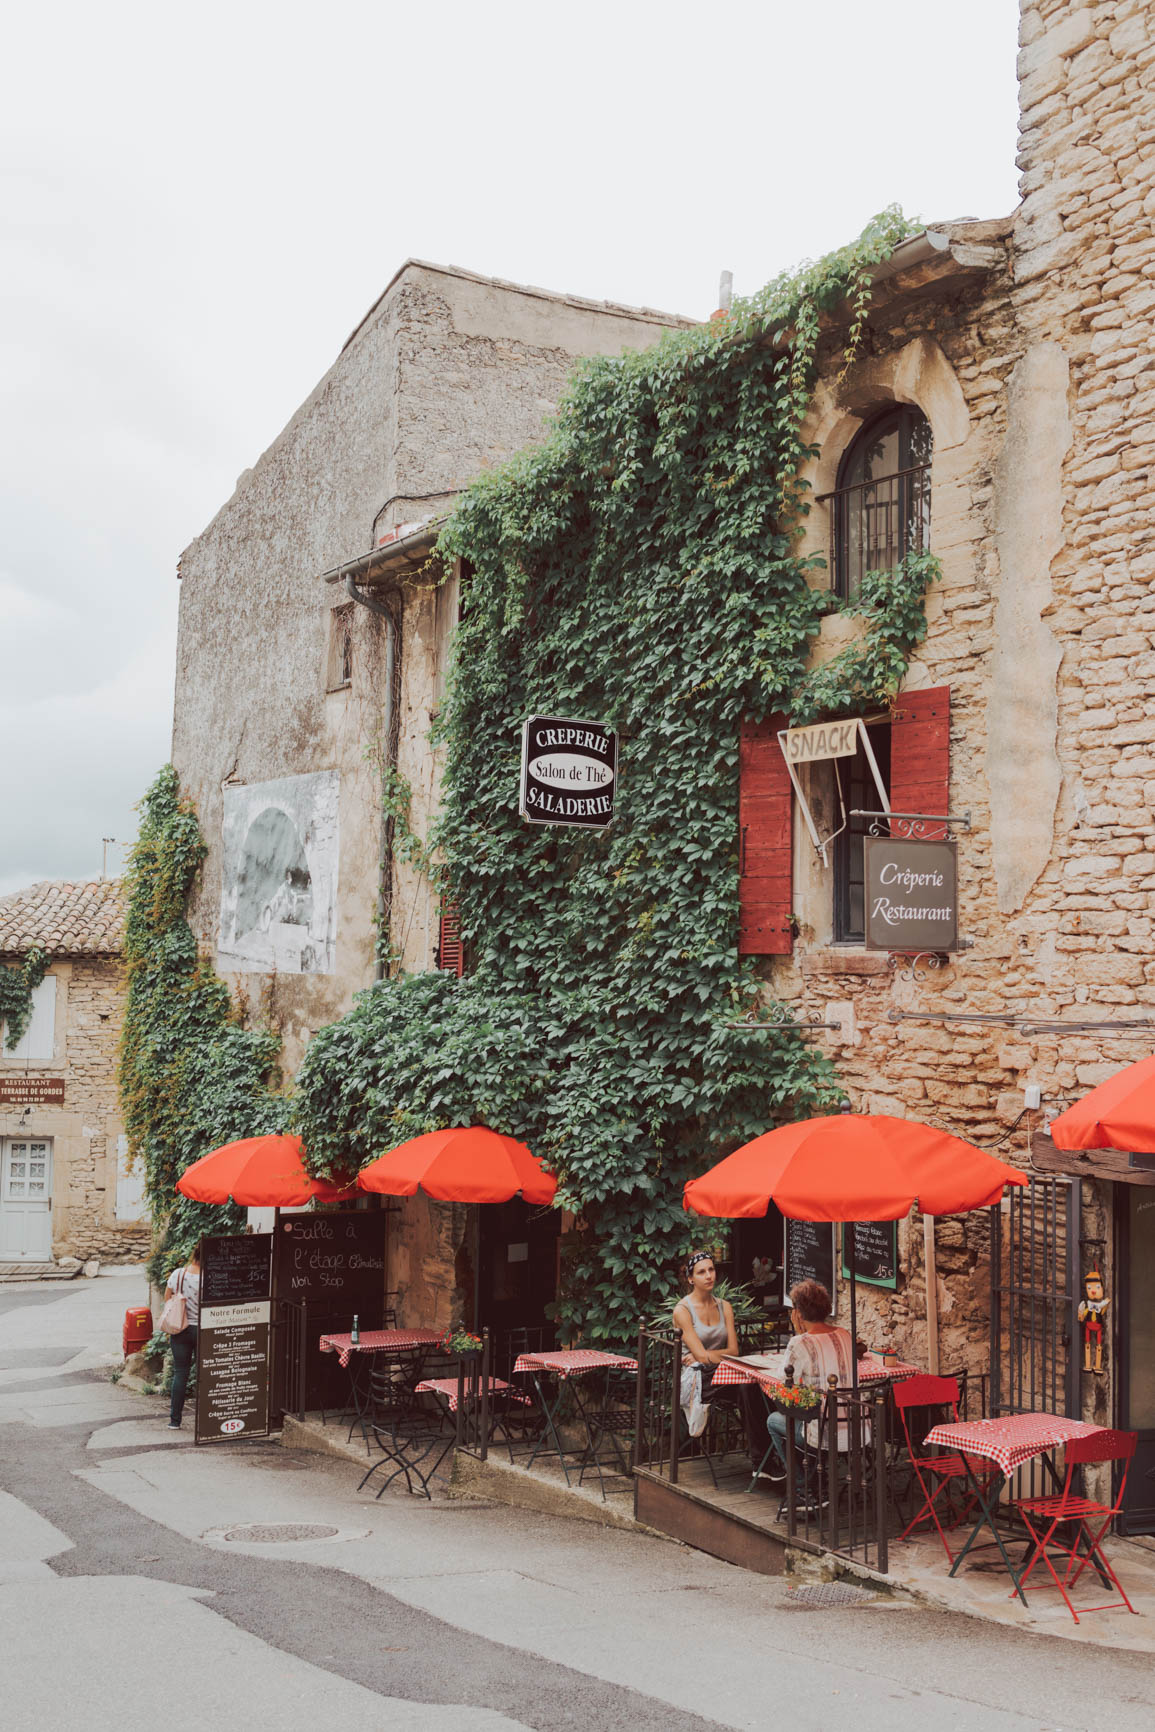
{"points": [[778, 1021], [918, 964], [913, 826]]}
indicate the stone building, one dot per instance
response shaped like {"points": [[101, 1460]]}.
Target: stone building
{"points": [[1004, 416], [64, 1187], [294, 693], [1001, 415]]}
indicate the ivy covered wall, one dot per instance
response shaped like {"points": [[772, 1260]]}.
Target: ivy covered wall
{"points": [[641, 568]]}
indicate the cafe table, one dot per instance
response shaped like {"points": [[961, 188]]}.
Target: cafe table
{"points": [[571, 1366], [1009, 1442], [354, 1355], [767, 1370]]}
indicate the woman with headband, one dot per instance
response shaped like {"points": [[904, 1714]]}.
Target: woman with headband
{"points": [[708, 1336]]}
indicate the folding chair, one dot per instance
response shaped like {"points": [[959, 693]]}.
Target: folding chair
{"points": [[1089, 1519], [937, 1473], [410, 1434]]}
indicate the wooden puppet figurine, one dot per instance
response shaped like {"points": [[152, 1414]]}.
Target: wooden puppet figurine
{"points": [[1091, 1312]]}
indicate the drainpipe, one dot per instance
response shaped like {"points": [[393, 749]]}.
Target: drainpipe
{"points": [[392, 717]]}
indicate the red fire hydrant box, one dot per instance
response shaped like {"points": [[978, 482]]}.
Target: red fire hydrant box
{"points": [[137, 1329]]}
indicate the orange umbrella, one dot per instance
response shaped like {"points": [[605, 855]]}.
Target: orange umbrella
{"points": [[467, 1165], [1119, 1114], [852, 1167], [258, 1173]]}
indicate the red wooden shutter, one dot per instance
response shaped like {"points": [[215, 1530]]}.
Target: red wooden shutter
{"points": [[450, 948], [920, 755], [765, 841]]}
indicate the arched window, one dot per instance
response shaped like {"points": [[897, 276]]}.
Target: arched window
{"points": [[880, 510]]}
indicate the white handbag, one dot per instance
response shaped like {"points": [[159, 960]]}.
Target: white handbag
{"points": [[174, 1317]]}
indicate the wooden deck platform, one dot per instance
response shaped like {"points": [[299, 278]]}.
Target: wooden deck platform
{"points": [[727, 1520]]}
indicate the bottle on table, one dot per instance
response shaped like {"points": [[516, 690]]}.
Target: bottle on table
{"points": [[355, 1332]]}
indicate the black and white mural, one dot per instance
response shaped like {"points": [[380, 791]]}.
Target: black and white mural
{"points": [[279, 876]]}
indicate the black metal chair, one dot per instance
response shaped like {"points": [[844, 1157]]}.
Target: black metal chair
{"points": [[409, 1431]]}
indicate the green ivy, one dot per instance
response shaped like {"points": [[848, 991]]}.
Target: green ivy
{"points": [[16, 988], [191, 1075], [641, 567]]}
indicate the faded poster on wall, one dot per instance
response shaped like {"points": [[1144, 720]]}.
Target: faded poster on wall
{"points": [[279, 876]]}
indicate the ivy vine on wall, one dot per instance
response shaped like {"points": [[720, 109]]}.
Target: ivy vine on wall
{"points": [[16, 988], [191, 1075], [641, 567]]}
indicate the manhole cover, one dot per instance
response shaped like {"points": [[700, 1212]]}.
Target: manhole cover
{"points": [[821, 1594], [276, 1533]]}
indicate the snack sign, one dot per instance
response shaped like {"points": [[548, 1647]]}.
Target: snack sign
{"points": [[569, 772]]}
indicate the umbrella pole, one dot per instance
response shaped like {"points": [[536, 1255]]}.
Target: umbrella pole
{"points": [[848, 1239]]}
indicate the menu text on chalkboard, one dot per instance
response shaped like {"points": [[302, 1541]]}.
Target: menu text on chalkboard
{"points": [[810, 1254], [339, 1258], [236, 1269], [875, 1252]]}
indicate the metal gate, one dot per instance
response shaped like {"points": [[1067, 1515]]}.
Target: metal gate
{"points": [[1035, 1299]]}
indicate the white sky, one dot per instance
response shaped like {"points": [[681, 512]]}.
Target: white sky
{"points": [[199, 204]]}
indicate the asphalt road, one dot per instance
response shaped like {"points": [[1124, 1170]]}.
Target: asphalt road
{"points": [[124, 1605]]}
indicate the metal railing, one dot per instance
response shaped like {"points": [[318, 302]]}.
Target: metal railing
{"points": [[874, 524], [838, 1459]]}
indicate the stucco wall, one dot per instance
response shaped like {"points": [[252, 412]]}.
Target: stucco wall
{"points": [[448, 374]]}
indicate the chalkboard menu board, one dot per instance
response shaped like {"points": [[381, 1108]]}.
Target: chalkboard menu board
{"points": [[810, 1254], [875, 1253], [236, 1269], [336, 1258]]}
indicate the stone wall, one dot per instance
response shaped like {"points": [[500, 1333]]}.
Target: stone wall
{"points": [[1042, 628], [85, 1131]]}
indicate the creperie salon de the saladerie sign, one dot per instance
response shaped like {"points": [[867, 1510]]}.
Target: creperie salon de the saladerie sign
{"points": [[569, 772], [911, 895]]}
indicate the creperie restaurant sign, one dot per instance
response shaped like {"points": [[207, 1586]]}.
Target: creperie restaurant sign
{"points": [[911, 895], [569, 771]]}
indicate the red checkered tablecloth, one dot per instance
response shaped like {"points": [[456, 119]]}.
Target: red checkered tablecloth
{"points": [[447, 1386], [870, 1370], [379, 1341], [573, 1362], [1012, 1440]]}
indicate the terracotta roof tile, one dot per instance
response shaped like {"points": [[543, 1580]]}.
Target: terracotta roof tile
{"points": [[66, 919]]}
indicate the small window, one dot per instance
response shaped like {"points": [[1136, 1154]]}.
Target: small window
{"points": [[37, 1045], [340, 648], [859, 794], [880, 510]]}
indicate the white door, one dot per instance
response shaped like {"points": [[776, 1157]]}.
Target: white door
{"points": [[26, 1200]]}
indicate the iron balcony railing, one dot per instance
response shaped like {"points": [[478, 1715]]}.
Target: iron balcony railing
{"points": [[875, 524]]}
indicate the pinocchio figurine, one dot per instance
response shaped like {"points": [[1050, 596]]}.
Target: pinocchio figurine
{"points": [[1091, 1312]]}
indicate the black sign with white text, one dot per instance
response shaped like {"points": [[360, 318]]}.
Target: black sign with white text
{"points": [[911, 895], [569, 770]]}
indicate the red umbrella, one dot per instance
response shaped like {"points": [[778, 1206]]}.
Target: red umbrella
{"points": [[259, 1172], [852, 1167], [468, 1165], [1119, 1114]]}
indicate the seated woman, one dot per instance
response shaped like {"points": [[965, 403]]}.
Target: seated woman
{"points": [[708, 1336], [817, 1351]]}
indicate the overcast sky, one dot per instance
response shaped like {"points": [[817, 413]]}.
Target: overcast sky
{"points": [[199, 204]]}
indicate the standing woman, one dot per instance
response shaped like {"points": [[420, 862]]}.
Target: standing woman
{"points": [[187, 1282], [708, 1336]]}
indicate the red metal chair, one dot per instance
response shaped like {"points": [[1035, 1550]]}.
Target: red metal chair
{"points": [[936, 1473], [1089, 1519]]}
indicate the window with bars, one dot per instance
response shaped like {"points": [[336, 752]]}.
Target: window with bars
{"points": [[880, 509]]}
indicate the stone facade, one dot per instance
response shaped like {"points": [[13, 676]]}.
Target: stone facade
{"points": [[447, 375], [97, 1207], [1042, 403]]}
